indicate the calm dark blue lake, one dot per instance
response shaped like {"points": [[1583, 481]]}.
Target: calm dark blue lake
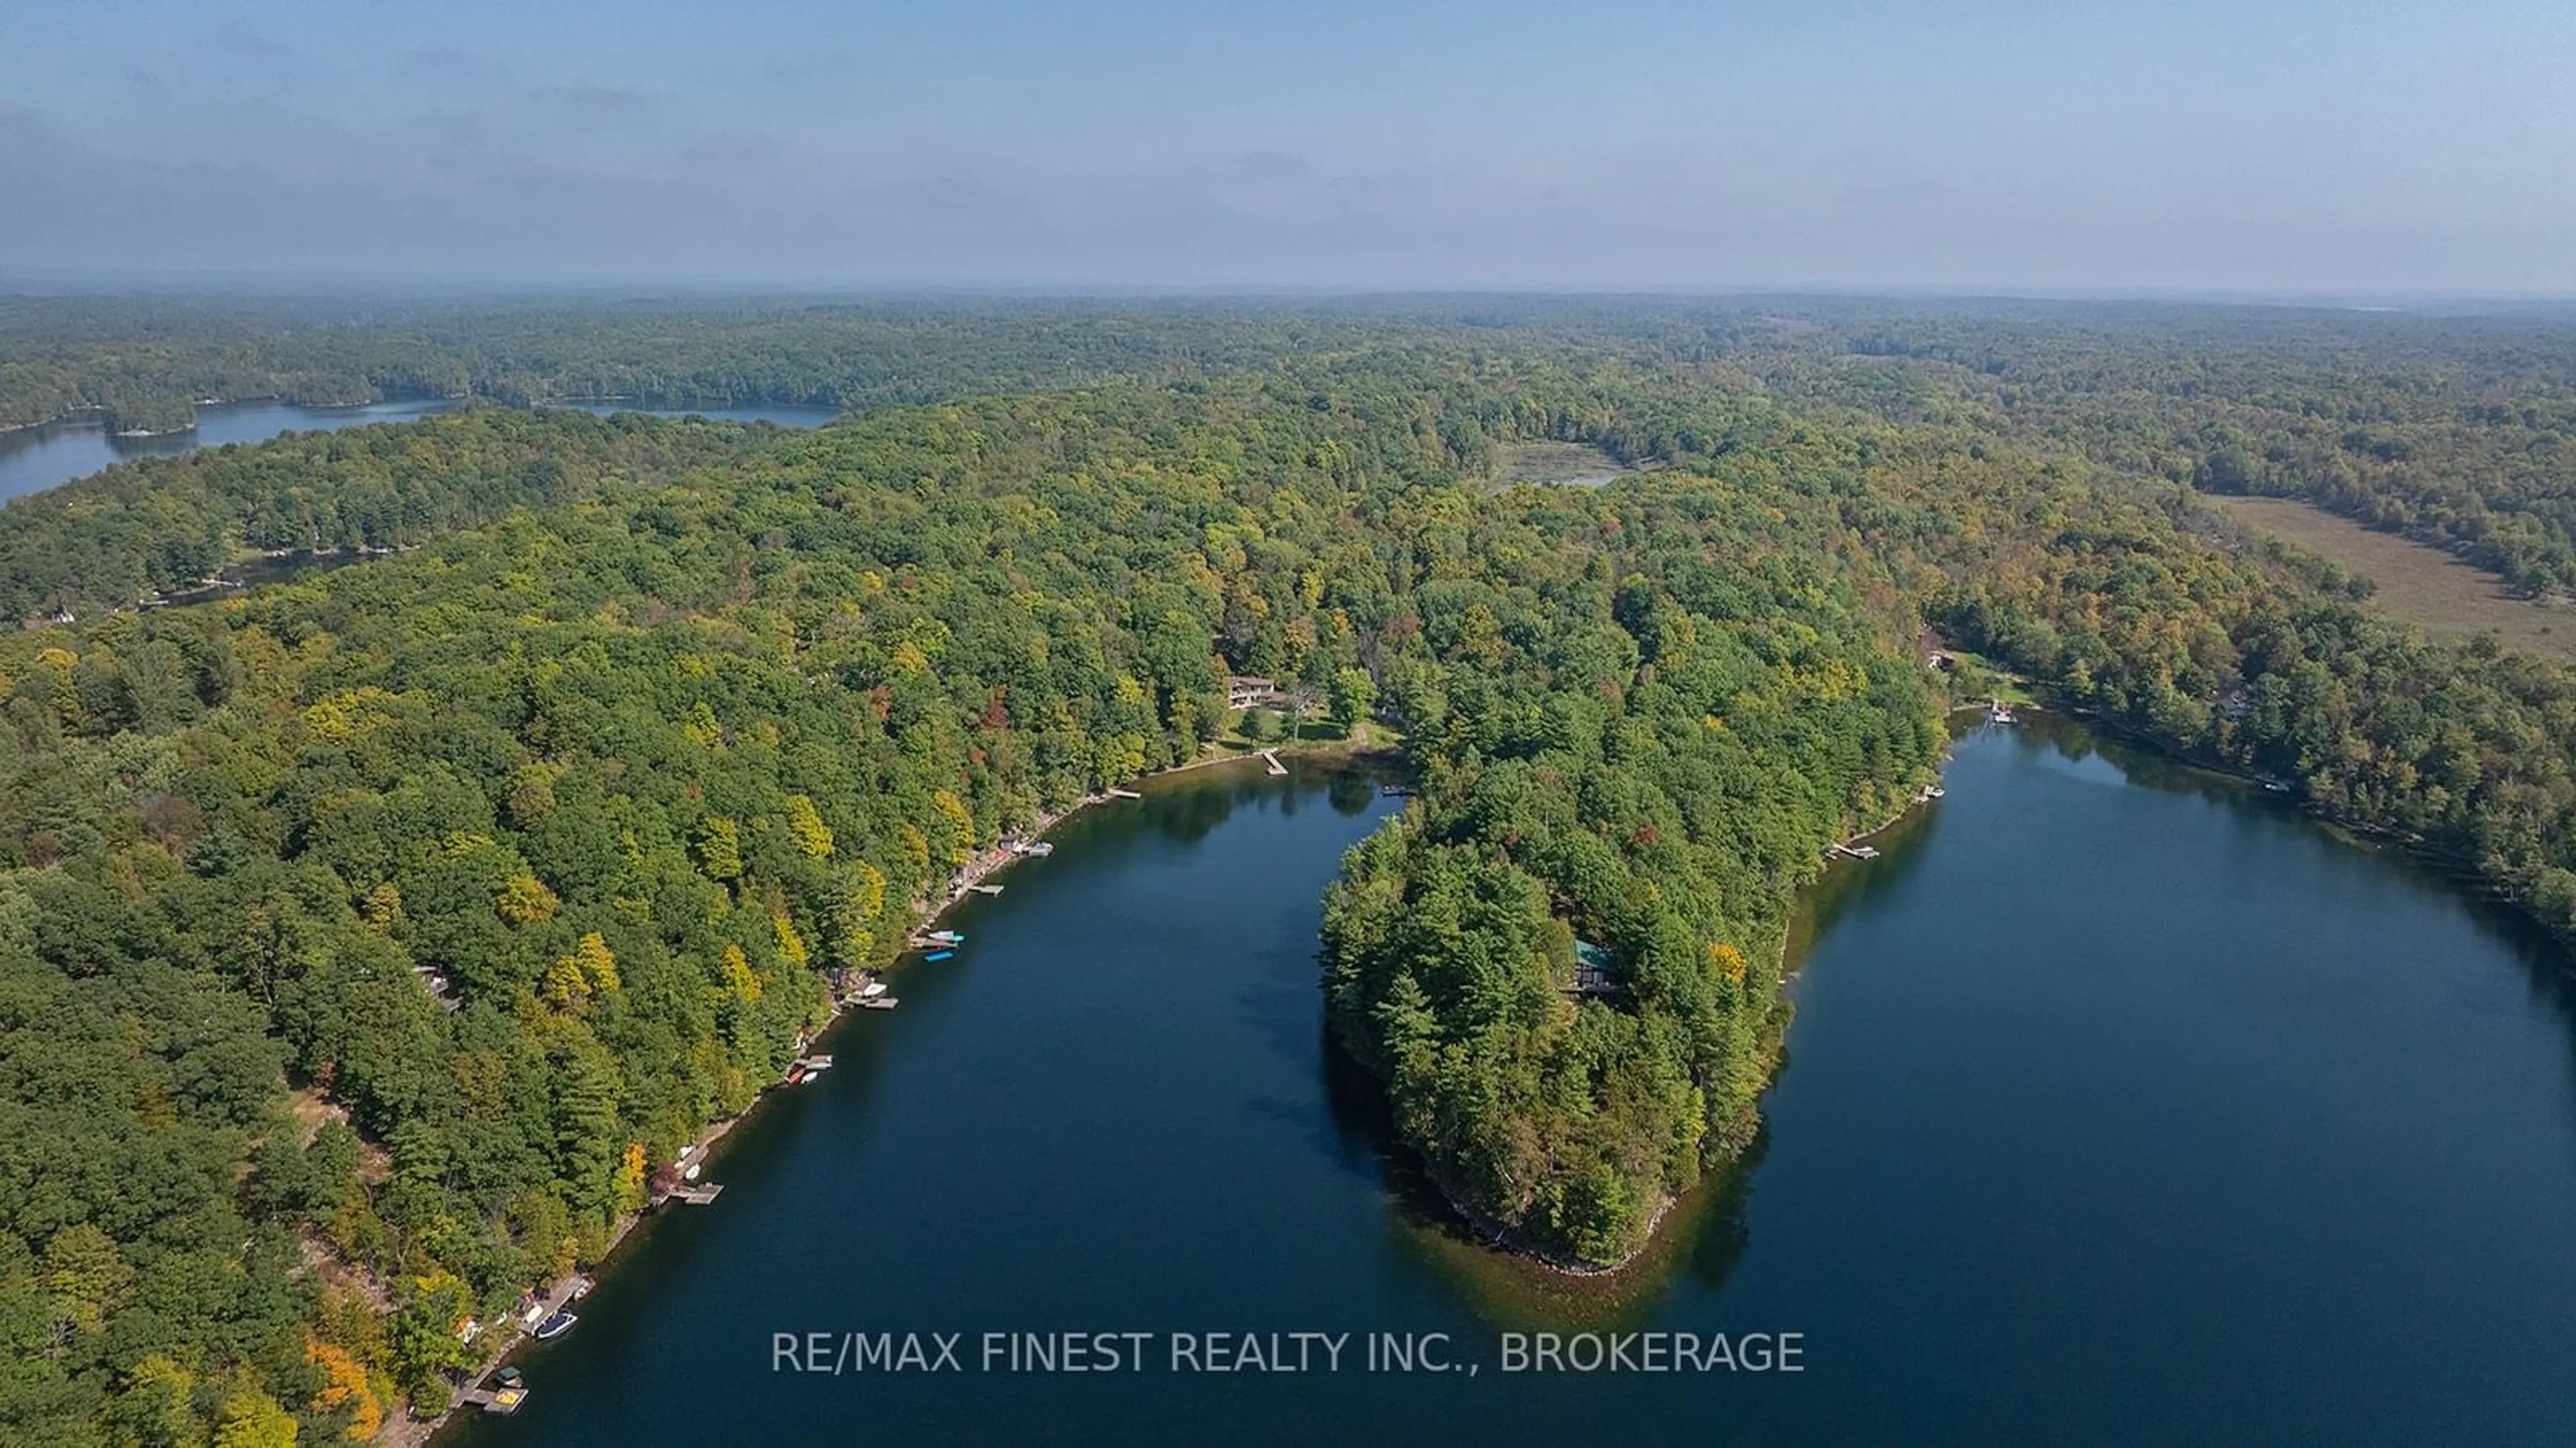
{"points": [[2123, 1105]]}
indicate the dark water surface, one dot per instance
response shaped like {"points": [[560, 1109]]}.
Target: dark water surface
{"points": [[37, 458], [2124, 1106], [34, 459]]}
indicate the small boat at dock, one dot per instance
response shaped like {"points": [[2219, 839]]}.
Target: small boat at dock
{"points": [[936, 956], [872, 990], [945, 937], [878, 1003], [555, 1326]]}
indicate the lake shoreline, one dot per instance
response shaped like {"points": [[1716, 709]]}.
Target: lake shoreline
{"points": [[407, 1431], [2463, 874], [47, 454], [1515, 1243], [1959, 1091]]}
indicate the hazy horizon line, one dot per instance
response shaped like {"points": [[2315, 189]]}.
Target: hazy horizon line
{"points": [[42, 280]]}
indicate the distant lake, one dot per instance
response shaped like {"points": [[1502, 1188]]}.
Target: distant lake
{"points": [[38, 458], [2123, 1105]]}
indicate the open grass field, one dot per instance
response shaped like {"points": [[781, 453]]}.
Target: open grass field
{"points": [[2417, 584], [1976, 678], [1557, 464]]}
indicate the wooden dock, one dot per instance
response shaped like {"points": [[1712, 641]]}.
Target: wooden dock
{"points": [[1124, 794], [503, 1401], [696, 1194], [1271, 758]]}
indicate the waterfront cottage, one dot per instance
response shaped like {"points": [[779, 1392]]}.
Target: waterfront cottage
{"points": [[1243, 691]]}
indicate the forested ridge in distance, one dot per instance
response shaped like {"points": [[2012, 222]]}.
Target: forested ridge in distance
{"points": [[646, 726]]}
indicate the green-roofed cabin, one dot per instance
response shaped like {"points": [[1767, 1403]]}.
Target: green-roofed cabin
{"points": [[1595, 969]]}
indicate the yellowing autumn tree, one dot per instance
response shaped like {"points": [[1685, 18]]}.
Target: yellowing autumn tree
{"points": [[857, 905], [719, 843], [250, 1418], [573, 979], [739, 979], [632, 1168], [791, 946], [525, 900], [805, 826], [345, 1385], [383, 907], [960, 823], [597, 964], [85, 1277]]}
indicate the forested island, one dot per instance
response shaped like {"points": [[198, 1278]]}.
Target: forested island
{"points": [[369, 939]]}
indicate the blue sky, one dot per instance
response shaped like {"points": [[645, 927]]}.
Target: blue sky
{"points": [[2363, 146]]}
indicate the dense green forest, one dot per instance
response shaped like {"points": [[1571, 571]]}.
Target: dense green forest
{"points": [[2457, 428], [2459, 431], [367, 939], [145, 362]]}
